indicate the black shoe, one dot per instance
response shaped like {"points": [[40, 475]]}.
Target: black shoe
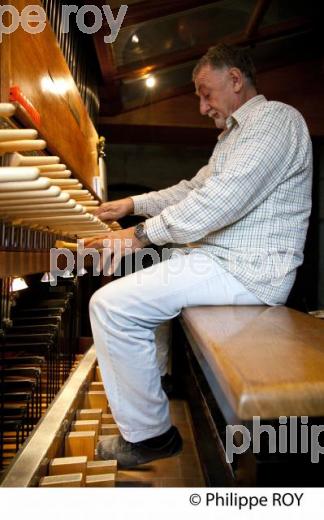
{"points": [[167, 384], [131, 454]]}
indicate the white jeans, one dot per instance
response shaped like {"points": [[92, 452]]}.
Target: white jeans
{"points": [[124, 316]]}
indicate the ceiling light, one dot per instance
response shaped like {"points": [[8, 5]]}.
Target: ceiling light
{"points": [[18, 284], [135, 38], [150, 82]]}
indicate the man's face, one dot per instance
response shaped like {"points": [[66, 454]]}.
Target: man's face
{"points": [[216, 90]]}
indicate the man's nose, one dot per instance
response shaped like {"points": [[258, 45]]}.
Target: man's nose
{"points": [[204, 107]]}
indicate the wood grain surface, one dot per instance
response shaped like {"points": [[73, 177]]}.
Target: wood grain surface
{"points": [[268, 361]]}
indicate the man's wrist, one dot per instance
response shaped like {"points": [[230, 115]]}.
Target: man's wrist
{"points": [[130, 206], [140, 204], [141, 235]]}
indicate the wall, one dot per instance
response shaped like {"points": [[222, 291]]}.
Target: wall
{"points": [[153, 166]]}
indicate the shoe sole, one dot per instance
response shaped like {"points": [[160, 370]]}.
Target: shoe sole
{"points": [[135, 466]]}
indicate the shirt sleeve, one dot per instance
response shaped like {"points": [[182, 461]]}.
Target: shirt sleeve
{"points": [[151, 204], [263, 158]]}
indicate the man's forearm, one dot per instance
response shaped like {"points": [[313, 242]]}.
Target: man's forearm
{"points": [[152, 203]]}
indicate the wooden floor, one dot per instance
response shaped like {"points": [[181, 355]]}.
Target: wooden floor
{"points": [[180, 471]]}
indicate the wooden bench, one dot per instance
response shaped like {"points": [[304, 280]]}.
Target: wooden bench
{"points": [[258, 361]]}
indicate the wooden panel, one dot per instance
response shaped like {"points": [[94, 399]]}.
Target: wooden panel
{"points": [[20, 263], [267, 361], [182, 111], [35, 63], [14, 263]]}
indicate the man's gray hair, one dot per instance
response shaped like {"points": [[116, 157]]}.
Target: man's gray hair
{"points": [[223, 55]]}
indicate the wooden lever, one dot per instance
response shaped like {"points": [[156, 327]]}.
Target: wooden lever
{"points": [[107, 480], [91, 203], [18, 174], [16, 159], [70, 183], [13, 134], [65, 187], [71, 480], [32, 201], [64, 174], [7, 109], [80, 443], [79, 193], [60, 220], [101, 467], [50, 205], [68, 465], [52, 167], [22, 146], [60, 244], [53, 191], [38, 184], [24, 213]]}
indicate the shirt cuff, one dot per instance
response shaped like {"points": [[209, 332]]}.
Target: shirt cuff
{"points": [[140, 204], [157, 232]]}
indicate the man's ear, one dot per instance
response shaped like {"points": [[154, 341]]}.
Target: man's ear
{"points": [[237, 79]]}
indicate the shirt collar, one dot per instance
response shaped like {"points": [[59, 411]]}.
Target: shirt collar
{"points": [[240, 115]]}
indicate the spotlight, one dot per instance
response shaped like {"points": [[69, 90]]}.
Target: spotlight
{"points": [[47, 278], [18, 284], [150, 82], [67, 274], [135, 38]]}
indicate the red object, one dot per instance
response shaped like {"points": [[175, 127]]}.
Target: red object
{"points": [[18, 97]]}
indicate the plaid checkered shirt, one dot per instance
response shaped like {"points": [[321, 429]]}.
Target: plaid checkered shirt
{"points": [[249, 207]]}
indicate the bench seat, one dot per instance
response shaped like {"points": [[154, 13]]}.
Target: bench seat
{"points": [[259, 361]]}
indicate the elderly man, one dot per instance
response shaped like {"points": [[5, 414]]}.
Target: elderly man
{"points": [[246, 213]]}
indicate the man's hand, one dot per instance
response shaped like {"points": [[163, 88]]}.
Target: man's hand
{"points": [[115, 245], [109, 211], [120, 238]]}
